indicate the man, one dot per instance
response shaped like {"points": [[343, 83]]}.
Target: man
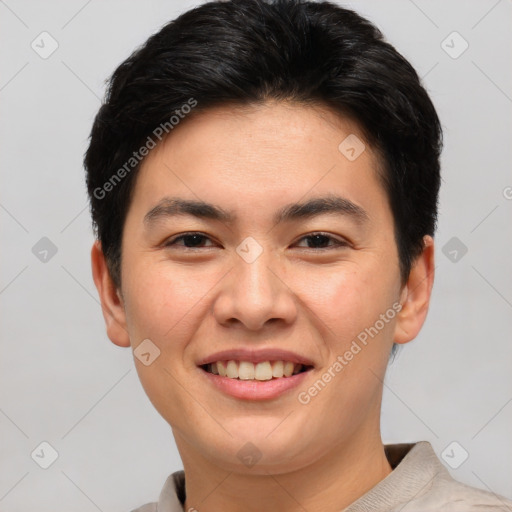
{"points": [[264, 181]]}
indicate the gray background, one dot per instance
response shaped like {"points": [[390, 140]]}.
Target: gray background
{"points": [[64, 382]]}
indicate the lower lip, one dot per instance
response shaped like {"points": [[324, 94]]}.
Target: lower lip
{"points": [[255, 389]]}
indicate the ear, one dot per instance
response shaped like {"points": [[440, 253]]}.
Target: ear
{"points": [[111, 299], [415, 297]]}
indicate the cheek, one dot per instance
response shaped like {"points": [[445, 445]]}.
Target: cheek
{"points": [[346, 299], [163, 302], [165, 307], [349, 304]]}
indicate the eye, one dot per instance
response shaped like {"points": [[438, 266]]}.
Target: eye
{"points": [[195, 240], [190, 240], [319, 240]]}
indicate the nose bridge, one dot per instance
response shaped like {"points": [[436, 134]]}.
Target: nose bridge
{"points": [[254, 294], [257, 278]]}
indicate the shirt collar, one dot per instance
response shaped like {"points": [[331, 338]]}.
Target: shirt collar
{"points": [[414, 467]]}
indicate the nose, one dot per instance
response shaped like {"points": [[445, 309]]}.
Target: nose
{"points": [[254, 294]]}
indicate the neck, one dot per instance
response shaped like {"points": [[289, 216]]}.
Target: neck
{"points": [[331, 483]]}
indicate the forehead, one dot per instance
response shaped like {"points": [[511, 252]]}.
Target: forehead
{"points": [[261, 156]]}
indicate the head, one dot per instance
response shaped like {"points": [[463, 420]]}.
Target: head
{"points": [[257, 108]]}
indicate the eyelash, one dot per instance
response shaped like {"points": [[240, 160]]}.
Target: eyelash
{"points": [[338, 243]]}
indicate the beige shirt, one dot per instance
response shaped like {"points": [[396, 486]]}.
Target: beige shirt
{"points": [[419, 482]]}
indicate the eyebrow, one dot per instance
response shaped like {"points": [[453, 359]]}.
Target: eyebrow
{"points": [[330, 204]]}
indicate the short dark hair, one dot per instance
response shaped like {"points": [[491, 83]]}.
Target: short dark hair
{"points": [[245, 52]]}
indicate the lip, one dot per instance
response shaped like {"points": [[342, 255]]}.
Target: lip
{"points": [[253, 389], [256, 356]]}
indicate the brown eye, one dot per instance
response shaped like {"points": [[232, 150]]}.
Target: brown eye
{"points": [[190, 240], [195, 240], [321, 241]]}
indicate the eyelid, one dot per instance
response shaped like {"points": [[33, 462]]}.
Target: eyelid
{"points": [[338, 241], [171, 241]]}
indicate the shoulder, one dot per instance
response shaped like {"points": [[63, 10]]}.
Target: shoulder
{"points": [[445, 494], [420, 482], [455, 496], [172, 495]]}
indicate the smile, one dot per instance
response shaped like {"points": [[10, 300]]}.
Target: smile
{"points": [[262, 381], [245, 370]]}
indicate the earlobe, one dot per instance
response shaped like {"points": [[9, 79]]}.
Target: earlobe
{"points": [[110, 298], [416, 295]]}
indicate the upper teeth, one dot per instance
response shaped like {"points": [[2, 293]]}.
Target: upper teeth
{"points": [[246, 370]]}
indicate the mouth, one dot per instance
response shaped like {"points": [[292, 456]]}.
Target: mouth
{"points": [[248, 371], [264, 380], [247, 374]]}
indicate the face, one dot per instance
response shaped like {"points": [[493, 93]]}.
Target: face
{"points": [[322, 284]]}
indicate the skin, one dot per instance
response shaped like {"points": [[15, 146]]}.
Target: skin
{"points": [[321, 456]]}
